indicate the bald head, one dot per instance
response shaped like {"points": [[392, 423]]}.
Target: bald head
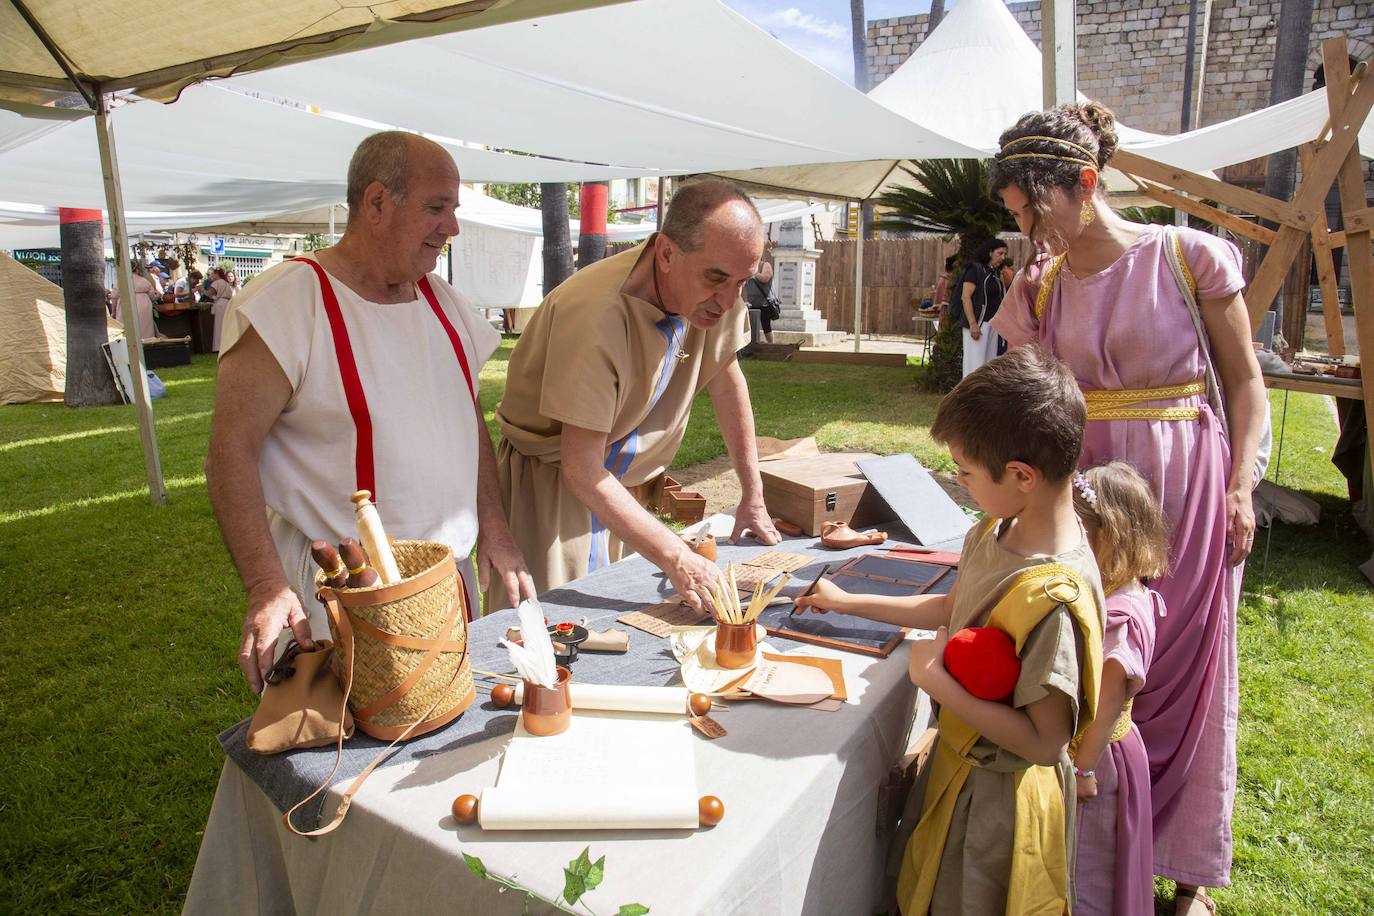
{"points": [[391, 157], [711, 205]]}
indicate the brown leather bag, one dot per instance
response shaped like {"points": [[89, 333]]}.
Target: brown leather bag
{"points": [[301, 703]]}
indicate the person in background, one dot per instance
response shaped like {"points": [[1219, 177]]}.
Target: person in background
{"points": [[1008, 273], [186, 289], [940, 298], [980, 292], [221, 292], [147, 290], [758, 294]]}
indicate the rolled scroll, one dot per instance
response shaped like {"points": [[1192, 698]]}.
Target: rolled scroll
{"points": [[374, 539], [613, 698], [606, 772], [500, 809]]}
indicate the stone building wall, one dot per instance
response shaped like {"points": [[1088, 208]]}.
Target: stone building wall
{"points": [[1131, 52]]}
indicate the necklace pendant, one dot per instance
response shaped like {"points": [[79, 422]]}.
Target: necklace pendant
{"points": [[683, 356]]}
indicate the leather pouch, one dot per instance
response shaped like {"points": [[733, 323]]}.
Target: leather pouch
{"points": [[301, 703]]}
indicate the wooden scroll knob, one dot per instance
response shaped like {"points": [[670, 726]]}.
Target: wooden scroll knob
{"points": [[361, 496], [465, 809], [698, 703], [502, 695], [710, 810]]}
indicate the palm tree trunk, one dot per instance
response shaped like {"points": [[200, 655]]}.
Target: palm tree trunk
{"points": [[858, 33], [83, 294], [1290, 66], [858, 30], [937, 12], [591, 216], [558, 255]]}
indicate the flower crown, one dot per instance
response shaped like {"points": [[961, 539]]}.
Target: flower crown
{"points": [[1080, 483]]}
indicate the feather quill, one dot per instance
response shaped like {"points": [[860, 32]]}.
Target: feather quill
{"points": [[535, 659]]}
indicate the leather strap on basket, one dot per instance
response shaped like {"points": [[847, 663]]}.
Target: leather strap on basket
{"points": [[343, 625]]}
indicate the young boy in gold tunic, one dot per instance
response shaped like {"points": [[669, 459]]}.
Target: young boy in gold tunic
{"points": [[990, 822]]}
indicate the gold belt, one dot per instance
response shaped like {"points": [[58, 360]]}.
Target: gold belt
{"points": [[1120, 403], [1121, 729]]}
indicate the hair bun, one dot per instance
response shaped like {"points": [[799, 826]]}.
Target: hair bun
{"points": [[1098, 118]]}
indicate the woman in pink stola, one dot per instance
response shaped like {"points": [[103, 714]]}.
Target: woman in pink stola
{"points": [[1112, 299]]}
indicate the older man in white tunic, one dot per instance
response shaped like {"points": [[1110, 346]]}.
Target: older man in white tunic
{"points": [[356, 369]]}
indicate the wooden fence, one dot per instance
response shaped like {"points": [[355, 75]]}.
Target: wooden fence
{"points": [[898, 274]]}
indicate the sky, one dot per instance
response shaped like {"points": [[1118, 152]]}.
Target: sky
{"points": [[819, 29]]}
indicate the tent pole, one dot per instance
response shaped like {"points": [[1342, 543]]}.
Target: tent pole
{"points": [[124, 270], [658, 210], [1057, 62], [331, 224], [859, 289]]}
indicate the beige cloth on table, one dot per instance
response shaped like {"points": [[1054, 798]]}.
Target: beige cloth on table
{"points": [[976, 864], [602, 360]]}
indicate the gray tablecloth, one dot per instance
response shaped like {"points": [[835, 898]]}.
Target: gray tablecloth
{"points": [[800, 788], [602, 596]]}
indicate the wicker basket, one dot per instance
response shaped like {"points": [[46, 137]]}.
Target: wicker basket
{"points": [[405, 643]]}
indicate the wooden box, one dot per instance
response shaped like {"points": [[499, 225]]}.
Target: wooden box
{"points": [[685, 507], [816, 489]]}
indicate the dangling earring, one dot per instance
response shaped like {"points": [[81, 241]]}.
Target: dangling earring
{"points": [[1086, 214]]}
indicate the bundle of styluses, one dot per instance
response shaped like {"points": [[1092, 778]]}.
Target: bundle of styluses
{"points": [[726, 606]]}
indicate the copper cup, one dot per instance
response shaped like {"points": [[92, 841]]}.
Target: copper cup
{"points": [[547, 710], [703, 547], [736, 644]]}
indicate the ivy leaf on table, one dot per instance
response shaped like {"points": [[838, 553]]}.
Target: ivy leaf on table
{"points": [[595, 872], [574, 886], [475, 865]]}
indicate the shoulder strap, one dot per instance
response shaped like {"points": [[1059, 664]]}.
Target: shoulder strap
{"points": [[364, 469], [428, 290], [1187, 285]]}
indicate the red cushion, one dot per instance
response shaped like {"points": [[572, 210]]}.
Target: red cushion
{"points": [[983, 660]]}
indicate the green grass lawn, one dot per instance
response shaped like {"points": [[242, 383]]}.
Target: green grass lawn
{"points": [[117, 666]]}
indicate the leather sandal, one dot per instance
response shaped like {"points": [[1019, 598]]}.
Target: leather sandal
{"points": [[1199, 894], [839, 536]]}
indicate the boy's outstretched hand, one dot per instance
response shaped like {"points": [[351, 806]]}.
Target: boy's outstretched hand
{"points": [[928, 660], [827, 597]]}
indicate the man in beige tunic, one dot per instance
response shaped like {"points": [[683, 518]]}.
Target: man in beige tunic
{"points": [[600, 386]]}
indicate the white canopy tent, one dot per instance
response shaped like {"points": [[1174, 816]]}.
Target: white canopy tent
{"points": [[561, 87], [98, 47], [978, 72], [496, 261], [218, 157], [103, 45], [548, 86]]}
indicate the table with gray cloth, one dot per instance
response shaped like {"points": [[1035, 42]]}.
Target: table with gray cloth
{"points": [[799, 786]]}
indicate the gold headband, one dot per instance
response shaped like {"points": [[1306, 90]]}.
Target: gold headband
{"points": [[1071, 145], [1091, 165]]}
